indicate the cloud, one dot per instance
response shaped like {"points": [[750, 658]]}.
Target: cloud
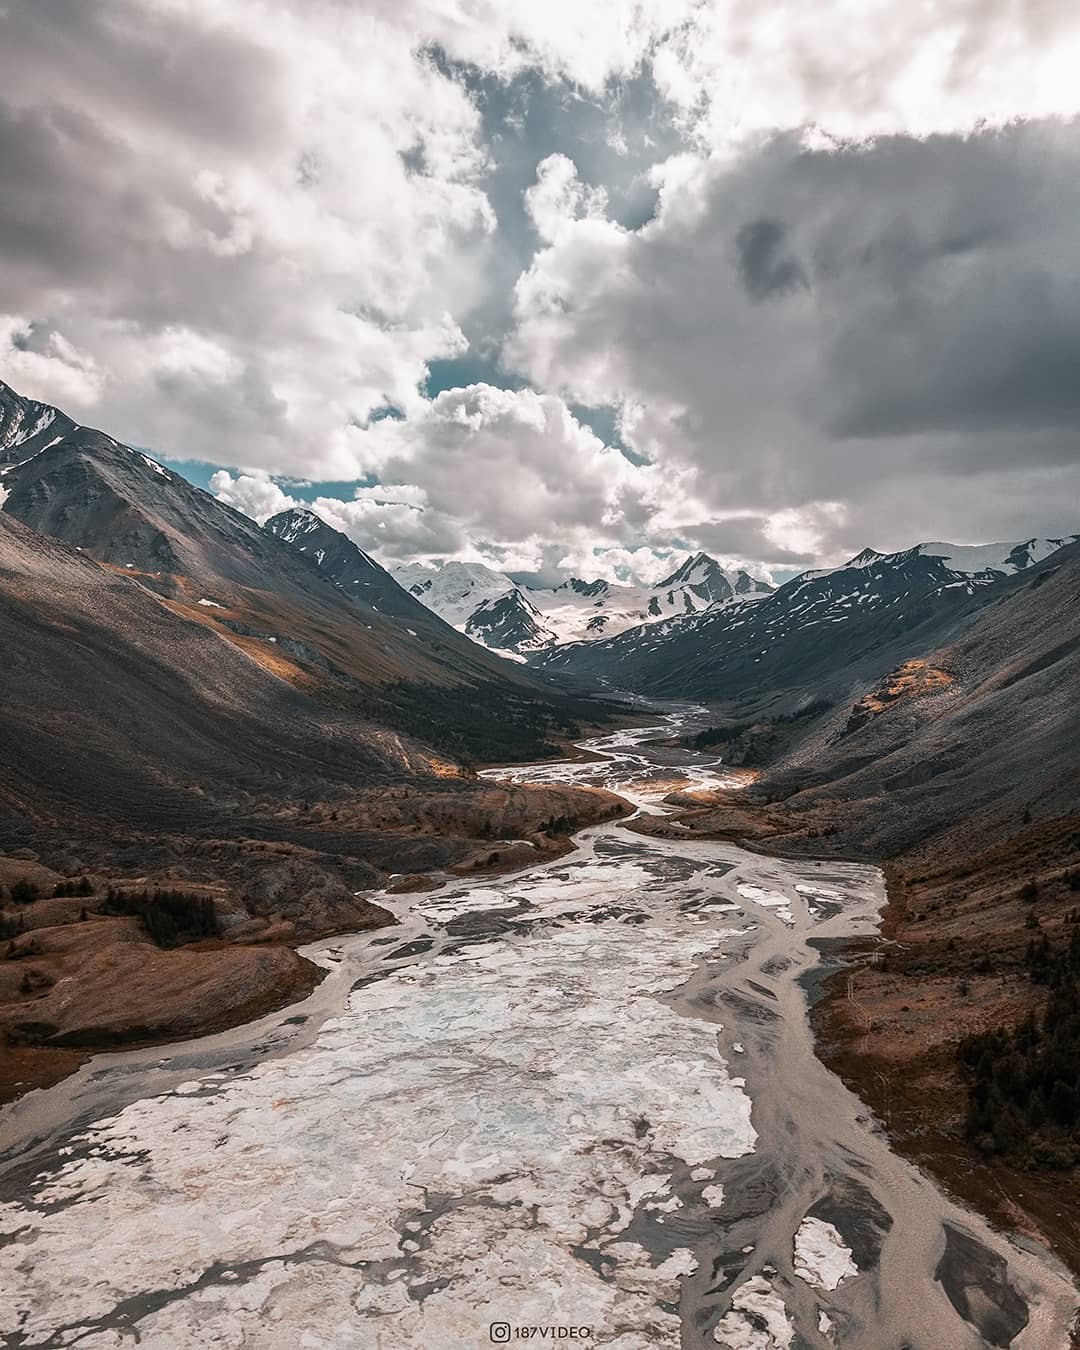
{"points": [[42, 364], [738, 67], [804, 530], [558, 197], [798, 327], [235, 178], [508, 477], [255, 494], [509, 466], [766, 265], [781, 250]]}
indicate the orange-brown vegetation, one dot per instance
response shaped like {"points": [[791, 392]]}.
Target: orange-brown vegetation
{"points": [[950, 965]]}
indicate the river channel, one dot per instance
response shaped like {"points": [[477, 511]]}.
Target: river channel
{"points": [[576, 1105]]}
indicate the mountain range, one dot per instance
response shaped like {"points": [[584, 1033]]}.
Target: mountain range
{"points": [[269, 717], [818, 636], [369, 645], [192, 698], [516, 619], [265, 723]]}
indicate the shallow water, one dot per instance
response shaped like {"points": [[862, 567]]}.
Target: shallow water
{"points": [[579, 1099]]}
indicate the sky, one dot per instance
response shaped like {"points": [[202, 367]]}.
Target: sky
{"points": [[564, 288]]}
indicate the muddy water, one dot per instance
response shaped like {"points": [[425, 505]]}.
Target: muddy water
{"points": [[578, 1104]]}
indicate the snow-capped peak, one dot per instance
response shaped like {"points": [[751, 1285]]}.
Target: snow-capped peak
{"points": [[454, 589], [589, 589], [491, 608], [695, 571], [1004, 559], [290, 525]]}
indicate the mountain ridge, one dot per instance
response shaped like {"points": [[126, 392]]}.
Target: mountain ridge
{"points": [[520, 620], [815, 636], [377, 650]]}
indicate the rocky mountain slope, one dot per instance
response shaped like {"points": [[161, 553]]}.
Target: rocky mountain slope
{"points": [[817, 637], [192, 703], [958, 769], [504, 615], [27, 426], [137, 733], [952, 746], [363, 645]]}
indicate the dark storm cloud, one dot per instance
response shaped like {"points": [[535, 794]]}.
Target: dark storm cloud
{"points": [[1007, 356], [953, 283], [881, 314], [175, 70], [744, 538], [767, 266], [57, 167], [84, 204], [948, 279]]}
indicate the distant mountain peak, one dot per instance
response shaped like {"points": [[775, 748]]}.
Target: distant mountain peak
{"points": [[695, 569], [500, 613], [745, 584], [508, 623], [586, 588], [291, 524], [1003, 559], [322, 540], [819, 627]]}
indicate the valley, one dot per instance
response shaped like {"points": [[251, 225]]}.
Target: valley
{"points": [[539, 670], [482, 975], [583, 1095]]}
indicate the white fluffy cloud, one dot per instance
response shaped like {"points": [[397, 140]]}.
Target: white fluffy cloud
{"points": [[488, 474], [509, 472], [558, 198], [255, 494], [56, 369], [241, 231], [874, 68]]}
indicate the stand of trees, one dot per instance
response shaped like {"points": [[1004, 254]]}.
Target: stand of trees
{"points": [[1024, 1082], [170, 917], [73, 886], [762, 740]]}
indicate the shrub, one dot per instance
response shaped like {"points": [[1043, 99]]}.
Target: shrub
{"points": [[11, 925]]}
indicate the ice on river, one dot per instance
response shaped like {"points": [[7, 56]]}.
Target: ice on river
{"points": [[821, 1257], [758, 1319], [776, 900], [514, 1107], [470, 1140]]}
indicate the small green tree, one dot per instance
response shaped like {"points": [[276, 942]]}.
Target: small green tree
{"points": [[24, 891]]}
